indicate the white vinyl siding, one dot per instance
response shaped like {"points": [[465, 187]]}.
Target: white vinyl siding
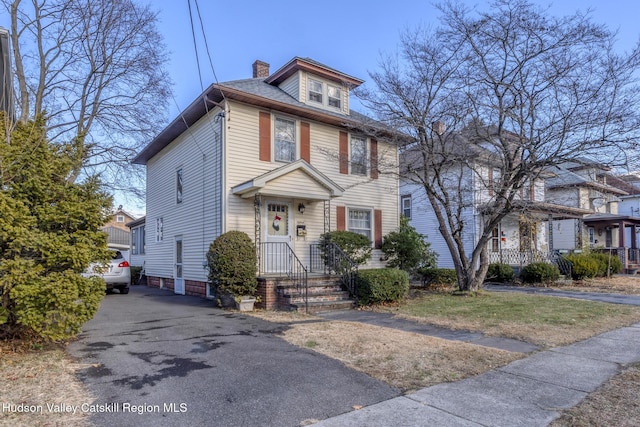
{"points": [[198, 219], [242, 164]]}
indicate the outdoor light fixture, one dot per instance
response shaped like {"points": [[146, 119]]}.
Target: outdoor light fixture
{"points": [[301, 208]]}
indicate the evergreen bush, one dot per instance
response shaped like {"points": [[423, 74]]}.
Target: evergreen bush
{"points": [[48, 236], [356, 246], [500, 272], [232, 265], [539, 272], [437, 276], [407, 249], [583, 266], [382, 285]]}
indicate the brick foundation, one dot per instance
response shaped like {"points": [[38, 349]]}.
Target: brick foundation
{"points": [[270, 298]]}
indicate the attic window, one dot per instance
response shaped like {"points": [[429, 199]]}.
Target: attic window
{"points": [[315, 91], [334, 96], [120, 218]]}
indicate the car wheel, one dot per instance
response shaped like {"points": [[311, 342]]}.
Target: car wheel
{"points": [[124, 290]]}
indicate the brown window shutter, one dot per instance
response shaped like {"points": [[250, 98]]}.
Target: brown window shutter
{"points": [[344, 153], [374, 158], [341, 218], [265, 136], [532, 193], [305, 141], [377, 228]]}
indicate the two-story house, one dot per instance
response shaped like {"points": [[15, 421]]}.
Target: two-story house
{"points": [[118, 234], [280, 156], [611, 224], [474, 173]]}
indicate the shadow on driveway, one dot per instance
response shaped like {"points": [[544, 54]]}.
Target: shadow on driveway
{"points": [[163, 359]]}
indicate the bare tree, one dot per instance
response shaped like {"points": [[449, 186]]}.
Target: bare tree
{"points": [[520, 92], [95, 69]]}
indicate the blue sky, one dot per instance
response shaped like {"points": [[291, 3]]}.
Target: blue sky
{"points": [[346, 35]]}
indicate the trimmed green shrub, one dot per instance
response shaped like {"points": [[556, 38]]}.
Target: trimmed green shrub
{"points": [[607, 262], [584, 266], [135, 274], [232, 265], [499, 272], [437, 276], [382, 285], [540, 272], [407, 249], [356, 246]]}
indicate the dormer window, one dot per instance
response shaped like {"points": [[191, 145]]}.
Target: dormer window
{"points": [[315, 91], [334, 96], [325, 94]]}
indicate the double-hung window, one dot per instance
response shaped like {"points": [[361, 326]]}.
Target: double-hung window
{"points": [[315, 91], [285, 140], [360, 222], [405, 202], [358, 155], [334, 96]]}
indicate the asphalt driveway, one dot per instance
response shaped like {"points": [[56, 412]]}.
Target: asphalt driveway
{"points": [[162, 359]]}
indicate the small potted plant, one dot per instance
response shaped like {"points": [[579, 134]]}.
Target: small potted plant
{"points": [[232, 270]]}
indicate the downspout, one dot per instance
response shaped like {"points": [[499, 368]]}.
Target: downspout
{"points": [[223, 170]]}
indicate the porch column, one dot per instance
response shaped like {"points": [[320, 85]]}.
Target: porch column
{"points": [[622, 247], [550, 236], [257, 202], [327, 216]]}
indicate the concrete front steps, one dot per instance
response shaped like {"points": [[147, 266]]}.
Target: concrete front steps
{"points": [[325, 293]]}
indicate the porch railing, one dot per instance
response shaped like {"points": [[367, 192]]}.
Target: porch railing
{"points": [[278, 259], [517, 257], [329, 258]]}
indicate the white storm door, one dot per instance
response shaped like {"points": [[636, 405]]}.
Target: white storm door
{"points": [[178, 279], [277, 255]]}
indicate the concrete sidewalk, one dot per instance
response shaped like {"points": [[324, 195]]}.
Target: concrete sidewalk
{"points": [[527, 392]]}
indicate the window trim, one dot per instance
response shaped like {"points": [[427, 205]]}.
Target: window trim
{"points": [[316, 93], [364, 159], [159, 229], [138, 241], [179, 186], [119, 218], [360, 209], [403, 199], [329, 97], [294, 122]]}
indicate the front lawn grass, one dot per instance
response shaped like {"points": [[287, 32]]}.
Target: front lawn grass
{"points": [[543, 320]]}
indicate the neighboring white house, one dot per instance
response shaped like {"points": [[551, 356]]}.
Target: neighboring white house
{"points": [[520, 238], [280, 156]]}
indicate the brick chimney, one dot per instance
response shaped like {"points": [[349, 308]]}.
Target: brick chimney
{"points": [[260, 70]]}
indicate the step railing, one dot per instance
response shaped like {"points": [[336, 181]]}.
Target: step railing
{"points": [[330, 259], [278, 259]]}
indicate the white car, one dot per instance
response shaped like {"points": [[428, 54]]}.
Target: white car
{"points": [[116, 274]]}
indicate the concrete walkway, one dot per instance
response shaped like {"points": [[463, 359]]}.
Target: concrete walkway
{"points": [[527, 392]]}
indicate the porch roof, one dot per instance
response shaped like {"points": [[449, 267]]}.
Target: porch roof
{"points": [[544, 209], [298, 180], [611, 219]]}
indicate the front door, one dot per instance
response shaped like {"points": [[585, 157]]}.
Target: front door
{"points": [[277, 255], [178, 279]]}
